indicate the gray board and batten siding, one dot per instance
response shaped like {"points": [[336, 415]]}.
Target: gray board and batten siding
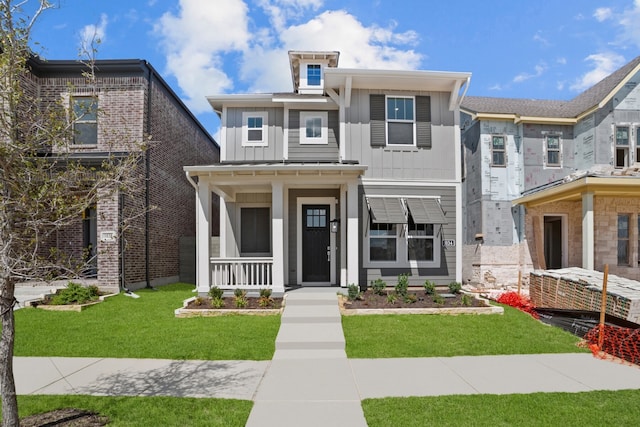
{"points": [[435, 159], [314, 152], [235, 151], [442, 275]]}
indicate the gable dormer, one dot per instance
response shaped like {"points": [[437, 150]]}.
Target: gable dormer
{"points": [[307, 70]]}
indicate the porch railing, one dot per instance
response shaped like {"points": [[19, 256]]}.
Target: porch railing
{"points": [[242, 272]]}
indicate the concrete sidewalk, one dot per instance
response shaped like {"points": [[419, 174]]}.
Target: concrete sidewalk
{"points": [[311, 382]]}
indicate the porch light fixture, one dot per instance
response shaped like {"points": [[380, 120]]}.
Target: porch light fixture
{"points": [[334, 225]]}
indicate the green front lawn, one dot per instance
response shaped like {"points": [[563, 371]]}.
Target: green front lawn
{"points": [[596, 408], [147, 411], [515, 332], [145, 328]]}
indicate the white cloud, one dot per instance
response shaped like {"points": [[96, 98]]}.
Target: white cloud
{"points": [[496, 87], [538, 71], [537, 37], [194, 41], [562, 61], [91, 35], [604, 64], [602, 14], [201, 37]]}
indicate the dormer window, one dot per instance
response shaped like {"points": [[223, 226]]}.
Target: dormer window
{"points": [[314, 77]]}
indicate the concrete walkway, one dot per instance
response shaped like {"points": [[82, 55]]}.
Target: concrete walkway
{"points": [[311, 382]]}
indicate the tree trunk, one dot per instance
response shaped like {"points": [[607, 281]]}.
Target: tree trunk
{"points": [[7, 383]]}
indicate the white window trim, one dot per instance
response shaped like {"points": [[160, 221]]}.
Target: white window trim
{"points": [[387, 120], [324, 117], [245, 129], [303, 84], [545, 150]]}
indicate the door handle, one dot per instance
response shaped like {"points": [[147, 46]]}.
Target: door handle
{"points": [[329, 253]]}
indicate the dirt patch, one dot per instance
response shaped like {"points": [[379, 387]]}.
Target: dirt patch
{"points": [[253, 303], [422, 300], [68, 417]]}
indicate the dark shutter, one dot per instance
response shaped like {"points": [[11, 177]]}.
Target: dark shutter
{"points": [[423, 121], [377, 119]]}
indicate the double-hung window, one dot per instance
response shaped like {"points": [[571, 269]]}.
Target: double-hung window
{"points": [[623, 239], [314, 74], [383, 242], [621, 148], [85, 120], [254, 128], [314, 127], [498, 153], [255, 231], [420, 241], [552, 146], [400, 120]]}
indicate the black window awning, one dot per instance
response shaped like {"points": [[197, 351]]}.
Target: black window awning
{"points": [[426, 211], [387, 210]]}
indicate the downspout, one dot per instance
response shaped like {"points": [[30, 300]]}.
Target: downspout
{"points": [[147, 173], [122, 244]]}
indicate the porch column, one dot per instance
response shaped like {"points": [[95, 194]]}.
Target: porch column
{"points": [[203, 237], [343, 236], [353, 234], [277, 233], [588, 232]]}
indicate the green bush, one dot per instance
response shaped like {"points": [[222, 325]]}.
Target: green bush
{"points": [[353, 292], [217, 302], [392, 298], [75, 293], [240, 298], [429, 287], [466, 300], [403, 285], [265, 292], [378, 286], [438, 299], [410, 298], [455, 287], [216, 292]]}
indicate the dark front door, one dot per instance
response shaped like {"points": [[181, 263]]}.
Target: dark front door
{"points": [[316, 262], [553, 241]]}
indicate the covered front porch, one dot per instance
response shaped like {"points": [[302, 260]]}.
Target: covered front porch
{"points": [[281, 224]]}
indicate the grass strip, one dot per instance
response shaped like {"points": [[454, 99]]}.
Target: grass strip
{"points": [[514, 332], [145, 328], [596, 408], [146, 411]]}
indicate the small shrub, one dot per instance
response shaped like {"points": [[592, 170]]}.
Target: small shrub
{"points": [[75, 293], [410, 298], [378, 286], [466, 300], [237, 292], [240, 298], [216, 292], [403, 285], [265, 292], [353, 292], [438, 299], [455, 287], [392, 298], [217, 302], [429, 287], [265, 302], [198, 301]]}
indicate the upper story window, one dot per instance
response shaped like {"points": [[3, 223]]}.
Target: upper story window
{"points": [[314, 127], [400, 121], [621, 149], [314, 75], [623, 239], [85, 120], [552, 147], [498, 153], [254, 128]]}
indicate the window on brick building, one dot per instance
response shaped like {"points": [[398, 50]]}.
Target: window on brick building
{"points": [[623, 239], [85, 120]]}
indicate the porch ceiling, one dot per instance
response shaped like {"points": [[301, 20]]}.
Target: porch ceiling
{"points": [[573, 191]]}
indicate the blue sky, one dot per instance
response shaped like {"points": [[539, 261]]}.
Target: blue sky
{"points": [[543, 49]]}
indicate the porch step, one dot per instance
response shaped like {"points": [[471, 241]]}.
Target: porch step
{"points": [[311, 314]]}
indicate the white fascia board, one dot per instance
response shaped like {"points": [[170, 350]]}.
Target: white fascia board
{"points": [[232, 100], [395, 79]]}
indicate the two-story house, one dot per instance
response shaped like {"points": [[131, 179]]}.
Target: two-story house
{"points": [[354, 175], [553, 184], [128, 103]]}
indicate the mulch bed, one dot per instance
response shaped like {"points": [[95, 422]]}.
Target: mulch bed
{"points": [[372, 300], [68, 417], [204, 303]]}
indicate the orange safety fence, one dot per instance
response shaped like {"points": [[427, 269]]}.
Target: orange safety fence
{"points": [[518, 301], [623, 343]]}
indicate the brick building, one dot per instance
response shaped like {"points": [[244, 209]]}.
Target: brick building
{"points": [[133, 238]]}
